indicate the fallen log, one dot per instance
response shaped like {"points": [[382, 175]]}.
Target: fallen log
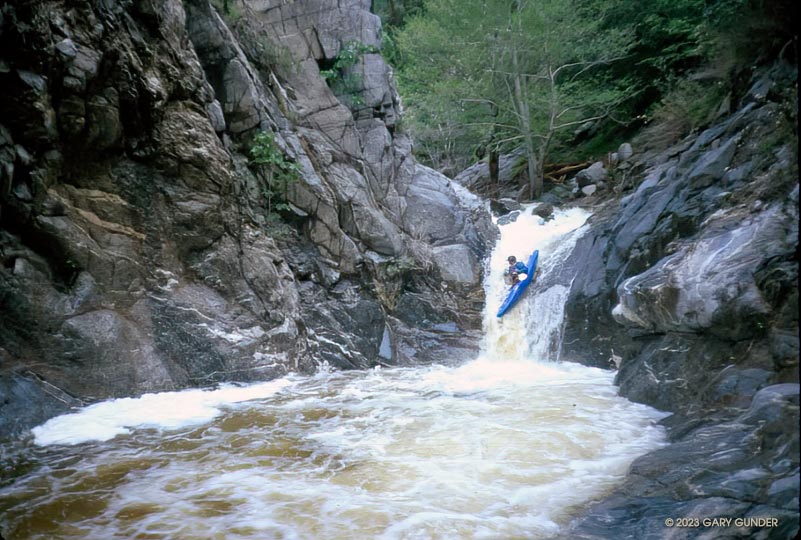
{"points": [[556, 169], [555, 180]]}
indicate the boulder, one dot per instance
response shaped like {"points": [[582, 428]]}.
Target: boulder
{"points": [[625, 151], [440, 211], [457, 263], [500, 207], [591, 175], [543, 209], [29, 400], [511, 217], [476, 177], [709, 286]]}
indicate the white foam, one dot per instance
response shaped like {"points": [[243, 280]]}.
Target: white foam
{"points": [[485, 450], [501, 447], [166, 410], [525, 332], [491, 373]]}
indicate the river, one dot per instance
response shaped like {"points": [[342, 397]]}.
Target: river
{"points": [[510, 445]]}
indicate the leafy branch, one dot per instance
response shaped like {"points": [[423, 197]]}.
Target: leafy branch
{"points": [[279, 170], [338, 77]]}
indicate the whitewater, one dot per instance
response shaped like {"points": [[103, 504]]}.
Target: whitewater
{"points": [[511, 444]]}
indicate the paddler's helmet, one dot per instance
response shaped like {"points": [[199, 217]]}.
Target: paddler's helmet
{"points": [[512, 259]]}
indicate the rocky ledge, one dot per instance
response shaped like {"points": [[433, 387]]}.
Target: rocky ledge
{"points": [[689, 285]]}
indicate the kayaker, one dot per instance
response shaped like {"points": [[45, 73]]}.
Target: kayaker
{"points": [[515, 269]]}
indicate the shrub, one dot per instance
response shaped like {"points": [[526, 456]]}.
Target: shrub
{"points": [[338, 77], [279, 171]]}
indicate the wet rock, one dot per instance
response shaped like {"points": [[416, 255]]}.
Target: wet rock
{"points": [[347, 331], [784, 347], [689, 292], [589, 190], [508, 218], [28, 401], [543, 209], [161, 266], [714, 470], [67, 48], [701, 330], [500, 207]]}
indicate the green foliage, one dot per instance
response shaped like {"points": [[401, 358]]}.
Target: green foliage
{"points": [[515, 74], [228, 9], [688, 106], [347, 57], [673, 38], [472, 72], [753, 30], [339, 78], [395, 13], [280, 172]]}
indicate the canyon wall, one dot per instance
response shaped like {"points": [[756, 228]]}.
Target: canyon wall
{"points": [[690, 286], [141, 246]]}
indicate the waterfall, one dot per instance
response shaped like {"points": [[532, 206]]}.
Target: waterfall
{"points": [[532, 329], [506, 446]]}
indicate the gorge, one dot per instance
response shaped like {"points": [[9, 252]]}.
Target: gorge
{"points": [[141, 253]]}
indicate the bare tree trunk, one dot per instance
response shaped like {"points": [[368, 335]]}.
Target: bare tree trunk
{"points": [[524, 117], [393, 12], [493, 170], [523, 110], [553, 111]]}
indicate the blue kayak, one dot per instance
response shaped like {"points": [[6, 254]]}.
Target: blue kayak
{"points": [[517, 289]]}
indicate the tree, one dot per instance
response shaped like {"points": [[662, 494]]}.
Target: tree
{"points": [[539, 63]]}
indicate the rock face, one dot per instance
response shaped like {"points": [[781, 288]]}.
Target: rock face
{"points": [[138, 252], [510, 167], [690, 283]]}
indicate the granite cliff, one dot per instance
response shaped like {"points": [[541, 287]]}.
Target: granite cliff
{"points": [[690, 285], [139, 252]]}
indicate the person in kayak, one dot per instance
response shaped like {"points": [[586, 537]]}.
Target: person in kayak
{"points": [[516, 268]]}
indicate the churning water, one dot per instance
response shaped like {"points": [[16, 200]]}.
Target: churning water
{"points": [[506, 446]]}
